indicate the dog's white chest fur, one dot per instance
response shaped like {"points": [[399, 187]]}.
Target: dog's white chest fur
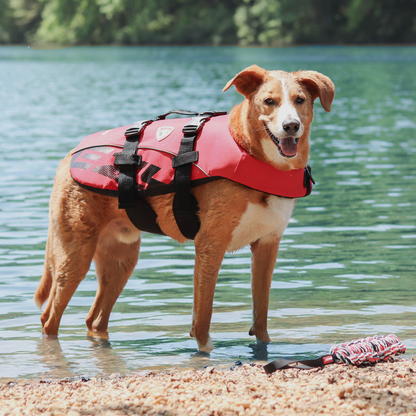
{"points": [[261, 220]]}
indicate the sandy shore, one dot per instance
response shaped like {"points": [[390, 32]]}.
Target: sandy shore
{"points": [[385, 389]]}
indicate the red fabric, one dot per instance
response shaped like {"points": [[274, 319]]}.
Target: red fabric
{"points": [[219, 156]]}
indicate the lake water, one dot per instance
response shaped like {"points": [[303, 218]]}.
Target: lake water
{"points": [[347, 263]]}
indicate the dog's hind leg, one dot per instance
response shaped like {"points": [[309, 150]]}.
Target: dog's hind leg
{"points": [[77, 217], [70, 265], [264, 258], [116, 255]]}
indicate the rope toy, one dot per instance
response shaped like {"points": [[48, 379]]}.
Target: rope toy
{"points": [[359, 352], [368, 350]]}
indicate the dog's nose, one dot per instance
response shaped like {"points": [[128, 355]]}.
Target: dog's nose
{"points": [[291, 126]]}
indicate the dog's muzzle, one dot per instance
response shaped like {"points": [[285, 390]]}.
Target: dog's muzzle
{"points": [[287, 146]]}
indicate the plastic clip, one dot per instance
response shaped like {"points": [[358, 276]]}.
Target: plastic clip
{"points": [[195, 124], [137, 128]]}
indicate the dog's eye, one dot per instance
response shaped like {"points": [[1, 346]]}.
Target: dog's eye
{"points": [[269, 101], [300, 100]]}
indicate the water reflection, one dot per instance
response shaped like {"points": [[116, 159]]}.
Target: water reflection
{"points": [[259, 351], [50, 354], [106, 360], [345, 267]]}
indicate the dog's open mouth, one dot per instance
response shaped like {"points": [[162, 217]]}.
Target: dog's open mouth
{"points": [[287, 146]]}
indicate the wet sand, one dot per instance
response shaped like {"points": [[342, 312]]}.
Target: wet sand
{"points": [[384, 389]]}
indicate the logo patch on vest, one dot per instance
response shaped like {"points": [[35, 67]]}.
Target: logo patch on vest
{"points": [[163, 132]]}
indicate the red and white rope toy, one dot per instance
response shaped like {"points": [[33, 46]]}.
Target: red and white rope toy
{"points": [[362, 351], [368, 350]]}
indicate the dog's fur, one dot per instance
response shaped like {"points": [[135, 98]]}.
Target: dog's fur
{"points": [[85, 226]]}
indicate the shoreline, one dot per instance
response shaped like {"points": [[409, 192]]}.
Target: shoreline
{"points": [[383, 389]]}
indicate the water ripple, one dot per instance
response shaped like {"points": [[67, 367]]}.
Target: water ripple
{"points": [[345, 267]]}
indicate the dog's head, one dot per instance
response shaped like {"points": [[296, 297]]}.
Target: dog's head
{"points": [[273, 122]]}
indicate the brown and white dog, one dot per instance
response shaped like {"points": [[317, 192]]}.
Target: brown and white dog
{"points": [[272, 124]]}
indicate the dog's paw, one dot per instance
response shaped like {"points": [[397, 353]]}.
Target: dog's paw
{"points": [[207, 347], [261, 336], [262, 344], [97, 334]]}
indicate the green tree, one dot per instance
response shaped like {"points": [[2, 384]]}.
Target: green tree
{"points": [[19, 20], [284, 22], [7, 24], [260, 22], [198, 22], [138, 22], [381, 21]]}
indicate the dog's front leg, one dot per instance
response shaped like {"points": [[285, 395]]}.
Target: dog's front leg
{"points": [[209, 255], [263, 261]]}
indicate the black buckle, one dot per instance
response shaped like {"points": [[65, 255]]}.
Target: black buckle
{"points": [[137, 128], [195, 124]]}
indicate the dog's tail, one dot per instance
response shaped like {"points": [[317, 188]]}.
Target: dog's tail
{"points": [[44, 288]]}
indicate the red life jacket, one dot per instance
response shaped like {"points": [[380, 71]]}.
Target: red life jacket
{"points": [[165, 156], [92, 164]]}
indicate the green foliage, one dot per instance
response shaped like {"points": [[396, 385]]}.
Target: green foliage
{"points": [[198, 22], [7, 26], [261, 22], [318, 21], [382, 21], [19, 19], [284, 22], [135, 22], [71, 22]]}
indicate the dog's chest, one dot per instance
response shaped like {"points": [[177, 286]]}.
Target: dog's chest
{"points": [[260, 220]]}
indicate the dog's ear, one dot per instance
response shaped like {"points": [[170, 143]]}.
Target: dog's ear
{"points": [[248, 80], [318, 85]]}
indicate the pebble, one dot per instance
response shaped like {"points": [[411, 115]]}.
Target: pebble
{"points": [[384, 389]]}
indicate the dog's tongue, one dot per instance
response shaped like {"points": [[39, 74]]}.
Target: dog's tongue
{"points": [[289, 146]]}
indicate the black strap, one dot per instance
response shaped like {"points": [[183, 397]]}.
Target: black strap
{"points": [[185, 205], [143, 217], [128, 161], [283, 363], [307, 179]]}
